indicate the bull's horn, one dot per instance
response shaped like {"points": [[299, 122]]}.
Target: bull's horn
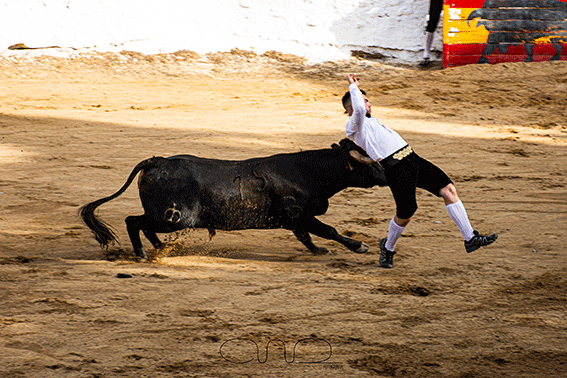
{"points": [[358, 157]]}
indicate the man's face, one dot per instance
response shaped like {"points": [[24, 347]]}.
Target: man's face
{"points": [[367, 105]]}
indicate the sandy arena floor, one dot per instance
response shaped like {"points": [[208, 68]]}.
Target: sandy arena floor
{"points": [[71, 130]]}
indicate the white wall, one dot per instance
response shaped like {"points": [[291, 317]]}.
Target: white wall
{"points": [[316, 29]]}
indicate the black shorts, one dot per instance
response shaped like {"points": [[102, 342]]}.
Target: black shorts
{"points": [[411, 173]]}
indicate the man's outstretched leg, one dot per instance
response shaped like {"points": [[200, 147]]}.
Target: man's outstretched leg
{"points": [[458, 214]]}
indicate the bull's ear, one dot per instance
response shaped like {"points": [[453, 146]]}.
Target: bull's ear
{"points": [[335, 146], [359, 157]]}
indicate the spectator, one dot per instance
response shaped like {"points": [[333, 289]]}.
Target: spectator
{"points": [[435, 8]]}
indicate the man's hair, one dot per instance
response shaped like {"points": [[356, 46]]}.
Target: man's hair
{"points": [[346, 99]]}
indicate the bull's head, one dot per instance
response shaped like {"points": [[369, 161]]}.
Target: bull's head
{"points": [[365, 172], [474, 14]]}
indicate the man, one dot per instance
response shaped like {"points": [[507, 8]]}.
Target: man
{"points": [[405, 171], [435, 8]]}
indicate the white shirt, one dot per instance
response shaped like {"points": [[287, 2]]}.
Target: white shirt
{"points": [[376, 139]]}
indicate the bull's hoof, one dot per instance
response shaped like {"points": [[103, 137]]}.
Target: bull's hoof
{"points": [[141, 254], [320, 251], [362, 249]]}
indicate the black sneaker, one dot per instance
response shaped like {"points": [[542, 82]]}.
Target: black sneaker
{"points": [[425, 62], [478, 241], [386, 256]]}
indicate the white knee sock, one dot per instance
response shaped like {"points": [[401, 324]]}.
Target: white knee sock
{"points": [[394, 233], [428, 43], [459, 215]]}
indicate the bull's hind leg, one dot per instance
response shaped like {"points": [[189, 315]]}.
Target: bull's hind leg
{"points": [[135, 224], [316, 227]]}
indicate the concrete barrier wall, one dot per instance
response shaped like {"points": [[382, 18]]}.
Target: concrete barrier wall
{"points": [[316, 29]]}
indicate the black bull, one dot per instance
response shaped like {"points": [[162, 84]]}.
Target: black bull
{"points": [[522, 22], [280, 191]]}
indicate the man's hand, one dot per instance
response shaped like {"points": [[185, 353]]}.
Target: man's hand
{"points": [[352, 79]]}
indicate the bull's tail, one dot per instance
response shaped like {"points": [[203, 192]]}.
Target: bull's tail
{"points": [[102, 231]]}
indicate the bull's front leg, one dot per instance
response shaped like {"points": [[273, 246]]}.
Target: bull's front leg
{"points": [[558, 50], [316, 227], [530, 52], [488, 50], [305, 238]]}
